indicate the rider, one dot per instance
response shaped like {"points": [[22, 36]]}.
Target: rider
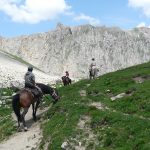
{"points": [[30, 82], [67, 74], [93, 64]]}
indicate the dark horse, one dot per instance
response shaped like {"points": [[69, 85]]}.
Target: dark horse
{"points": [[66, 80], [25, 98]]}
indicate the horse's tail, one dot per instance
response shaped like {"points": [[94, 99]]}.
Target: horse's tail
{"points": [[16, 106], [70, 80]]}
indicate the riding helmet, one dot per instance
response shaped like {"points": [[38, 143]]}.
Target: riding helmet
{"points": [[30, 68]]}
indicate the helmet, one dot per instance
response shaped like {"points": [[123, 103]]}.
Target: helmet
{"points": [[30, 68], [93, 58], [66, 72]]}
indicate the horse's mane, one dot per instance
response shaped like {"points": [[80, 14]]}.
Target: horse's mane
{"points": [[45, 88]]}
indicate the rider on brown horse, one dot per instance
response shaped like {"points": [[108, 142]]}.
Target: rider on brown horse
{"points": [[66, 80], [30, 83]]}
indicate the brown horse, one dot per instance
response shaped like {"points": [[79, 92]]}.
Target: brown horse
{"points": [[25, 98], [66, 80]]}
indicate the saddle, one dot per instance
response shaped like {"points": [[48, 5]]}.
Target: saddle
{"points": [[28, 90], [35, 93]]}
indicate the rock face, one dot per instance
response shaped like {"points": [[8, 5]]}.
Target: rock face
{"points": [[12, 72], [71, 48]]}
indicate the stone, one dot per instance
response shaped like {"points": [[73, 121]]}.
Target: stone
{"points": [[64, 145], [71, 49], [82, 93], [118, 96]]}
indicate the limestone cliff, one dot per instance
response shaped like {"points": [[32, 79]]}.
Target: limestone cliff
{"points": [[71, 48]]}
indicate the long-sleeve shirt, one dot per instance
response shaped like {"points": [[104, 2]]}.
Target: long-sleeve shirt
{"points": [[93, 65], [29, 78]]}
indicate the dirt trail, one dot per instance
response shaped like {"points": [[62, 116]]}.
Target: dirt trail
{"points": [[25, 140]]}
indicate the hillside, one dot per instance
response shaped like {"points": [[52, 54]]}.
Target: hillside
{"points": [[71, 48], [90, 116], [13, 68]]}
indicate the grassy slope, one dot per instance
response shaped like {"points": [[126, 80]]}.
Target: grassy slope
{"points": [[6, 123], [124, 126], [19, 60], [113, 129]]}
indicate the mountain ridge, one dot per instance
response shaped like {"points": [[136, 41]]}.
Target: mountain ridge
{"points": [[71, 48]]}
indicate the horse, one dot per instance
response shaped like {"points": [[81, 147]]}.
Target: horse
{"points": [[66, 80], [25, 98], [93, 73]]}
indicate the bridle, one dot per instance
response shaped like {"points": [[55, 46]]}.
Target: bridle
{"points": [[54, 94]]}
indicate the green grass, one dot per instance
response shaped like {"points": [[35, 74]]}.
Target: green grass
{"points": [[121, 127], [7, 127], [7, 124], [124, 126]]}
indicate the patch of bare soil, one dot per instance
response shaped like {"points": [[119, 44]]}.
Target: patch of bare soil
{"points": [[141, 79], [25, 140], [82, 93], [84, 138], [121, 95], [99, 105]]}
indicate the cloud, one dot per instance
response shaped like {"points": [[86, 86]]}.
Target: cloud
{"points": [[33, 11], [142, 4], [143, 24], [90, 20]]}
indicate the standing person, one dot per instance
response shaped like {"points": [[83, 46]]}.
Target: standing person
{"points": [[30, 82]]}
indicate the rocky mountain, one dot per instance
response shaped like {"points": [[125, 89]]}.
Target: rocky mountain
{"points": [[12, 72], [71, 48]]}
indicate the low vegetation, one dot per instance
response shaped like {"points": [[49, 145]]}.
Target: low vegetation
{"points": [[120, 124], [86, 117], [7, 125]]}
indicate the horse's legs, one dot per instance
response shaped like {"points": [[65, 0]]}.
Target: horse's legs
{"points": [[23, 118], [19, 129], [70, 81], [19, 118], [90, 74], [36, 106], [90, 77], [95, 73], [33, 114]]}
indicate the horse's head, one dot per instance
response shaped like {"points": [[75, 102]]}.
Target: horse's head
{"points": [[63, 78], [55, 95], [46, 89]]}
